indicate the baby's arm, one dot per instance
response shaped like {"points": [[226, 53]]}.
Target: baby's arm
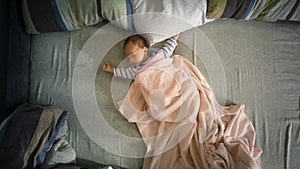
{"points": [[127, 73], [170, 45]]}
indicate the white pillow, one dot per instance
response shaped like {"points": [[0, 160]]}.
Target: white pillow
{"points": [[160, 19]]}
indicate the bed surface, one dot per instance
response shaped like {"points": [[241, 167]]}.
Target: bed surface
{"points": [[261, 62]]}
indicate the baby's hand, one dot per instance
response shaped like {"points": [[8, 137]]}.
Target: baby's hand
{"points": [[106, 67], [175, 37]]}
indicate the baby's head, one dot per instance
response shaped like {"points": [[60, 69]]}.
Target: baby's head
{"points": [[135, 49]]}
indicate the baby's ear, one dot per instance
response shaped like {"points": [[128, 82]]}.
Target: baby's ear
{"points": [[145, 49]]}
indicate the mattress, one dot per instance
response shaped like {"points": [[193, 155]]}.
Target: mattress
{"points": [[250, 62]]}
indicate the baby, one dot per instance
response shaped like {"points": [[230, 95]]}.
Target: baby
{"points": [[136, 50]]}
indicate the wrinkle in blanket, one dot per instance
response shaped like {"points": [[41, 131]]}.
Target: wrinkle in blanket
{"points": [[181, 122]]}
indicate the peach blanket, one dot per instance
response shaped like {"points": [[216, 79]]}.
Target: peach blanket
{"points": [[182, 124]]}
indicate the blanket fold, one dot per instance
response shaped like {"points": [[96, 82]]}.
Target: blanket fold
{"points": [[181, 122], [29, 134]]}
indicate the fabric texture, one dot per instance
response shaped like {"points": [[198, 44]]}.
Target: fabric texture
{"points": [[265, 10], [139, 16], [51, 139], [60, 151], [158, 20], [69, 15], [41, 133], [29, 135], [182, 124], [261, 64], [18, 135]]}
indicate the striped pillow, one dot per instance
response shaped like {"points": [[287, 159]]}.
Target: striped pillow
{"points": [[67, 15], [264, 10]]}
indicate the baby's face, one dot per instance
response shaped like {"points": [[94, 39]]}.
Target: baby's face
{"points": [[135, 54]]}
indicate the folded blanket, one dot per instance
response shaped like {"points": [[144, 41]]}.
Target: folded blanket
{"points": [[29, 135], [182, 124]]}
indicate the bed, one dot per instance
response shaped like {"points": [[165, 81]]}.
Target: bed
{"points": [[247, 57]]}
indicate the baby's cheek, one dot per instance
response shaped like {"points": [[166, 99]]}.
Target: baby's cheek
{"points": [[140, 59]]}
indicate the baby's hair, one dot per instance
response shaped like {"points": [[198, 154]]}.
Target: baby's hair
{"points": [[137, 40]]}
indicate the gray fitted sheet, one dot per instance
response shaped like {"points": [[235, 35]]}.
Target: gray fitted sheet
{"points": [[261, 63]]}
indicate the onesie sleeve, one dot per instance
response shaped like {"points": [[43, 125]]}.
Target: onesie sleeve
{"points": [[127, 73], [169, 47]]}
